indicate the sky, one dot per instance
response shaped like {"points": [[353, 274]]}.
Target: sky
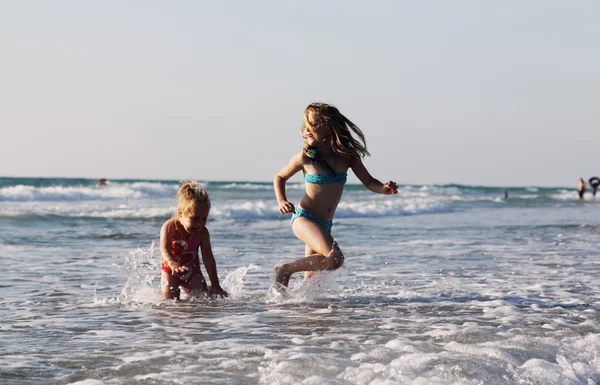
{"points": [[503, 93]]}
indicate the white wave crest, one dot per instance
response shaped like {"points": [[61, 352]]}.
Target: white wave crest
{"points": [[140, 190]]}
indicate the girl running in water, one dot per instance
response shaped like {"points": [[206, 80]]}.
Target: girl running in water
{"points": [[330, 150]]}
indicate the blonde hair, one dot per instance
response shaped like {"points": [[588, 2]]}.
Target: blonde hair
{"points": [[189, 196], [340, 130]]}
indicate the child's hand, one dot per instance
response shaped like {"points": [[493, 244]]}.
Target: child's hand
{"points": [[176, 267], [390, 188], [286, 207], [217, 291]]}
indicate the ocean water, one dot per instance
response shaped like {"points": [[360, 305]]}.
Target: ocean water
{"points": [[441, 285]]}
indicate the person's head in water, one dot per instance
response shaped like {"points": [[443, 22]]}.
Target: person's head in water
{"points": [[325, 127], [101, 182]]}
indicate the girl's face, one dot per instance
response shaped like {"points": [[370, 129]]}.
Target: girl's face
{"points": [[314, 131], [194, 220]]}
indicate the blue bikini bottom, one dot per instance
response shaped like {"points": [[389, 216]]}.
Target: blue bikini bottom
{"points": [[307, 214]]}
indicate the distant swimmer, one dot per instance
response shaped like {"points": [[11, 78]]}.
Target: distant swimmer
{"points": [[101, 182], [505, 194], [594, 182], [581, 188], [330, 151]]}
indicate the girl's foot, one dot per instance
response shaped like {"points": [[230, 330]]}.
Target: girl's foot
{"points": [[308, 274], [282, 276]]}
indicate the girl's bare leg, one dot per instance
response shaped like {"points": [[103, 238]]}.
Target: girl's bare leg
{"points": [[307, 253], [169, 286], [198, 286], [327, 256]]}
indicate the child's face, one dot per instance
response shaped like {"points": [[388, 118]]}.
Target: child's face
{"points": [[319, 129], [194, 220]]}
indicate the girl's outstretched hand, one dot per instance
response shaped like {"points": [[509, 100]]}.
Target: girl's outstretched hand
{"points": [[390, 188], [176, 268], [286, 207]]}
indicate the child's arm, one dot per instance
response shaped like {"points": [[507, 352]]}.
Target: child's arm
{"points": [[369, 182], [281, 177], [210, 265], [166, 254]]}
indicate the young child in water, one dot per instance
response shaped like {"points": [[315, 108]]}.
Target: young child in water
{"points": [[330, 150], [180, 238]]}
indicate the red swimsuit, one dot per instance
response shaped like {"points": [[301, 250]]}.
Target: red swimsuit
{"points": [[185, 252]]}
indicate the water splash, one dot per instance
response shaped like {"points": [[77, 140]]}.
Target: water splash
{"points": [[234, 281], [321, 284], [143, 278], [142, 285]]}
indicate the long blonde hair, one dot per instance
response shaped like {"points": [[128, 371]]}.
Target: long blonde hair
{"points": [[340, 130], [190, 195]]}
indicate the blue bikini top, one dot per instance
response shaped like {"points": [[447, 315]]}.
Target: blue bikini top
{"points": [[332, 177]]}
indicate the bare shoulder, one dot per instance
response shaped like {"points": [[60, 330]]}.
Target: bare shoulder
{"points": [[167, 225], [346, 159], [166, 234], [204, 234], [296, 163], [299, 158]]}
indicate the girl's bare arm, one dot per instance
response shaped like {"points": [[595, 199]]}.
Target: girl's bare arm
{"points": [[281, 177], [369, 182], [166, 254], [209, 264]]}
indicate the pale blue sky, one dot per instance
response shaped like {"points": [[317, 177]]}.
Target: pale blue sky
{"points": [[475, 92]]}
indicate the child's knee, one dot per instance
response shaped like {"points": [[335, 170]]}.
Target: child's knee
{"points": [[170, 292], [335, 258]]}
